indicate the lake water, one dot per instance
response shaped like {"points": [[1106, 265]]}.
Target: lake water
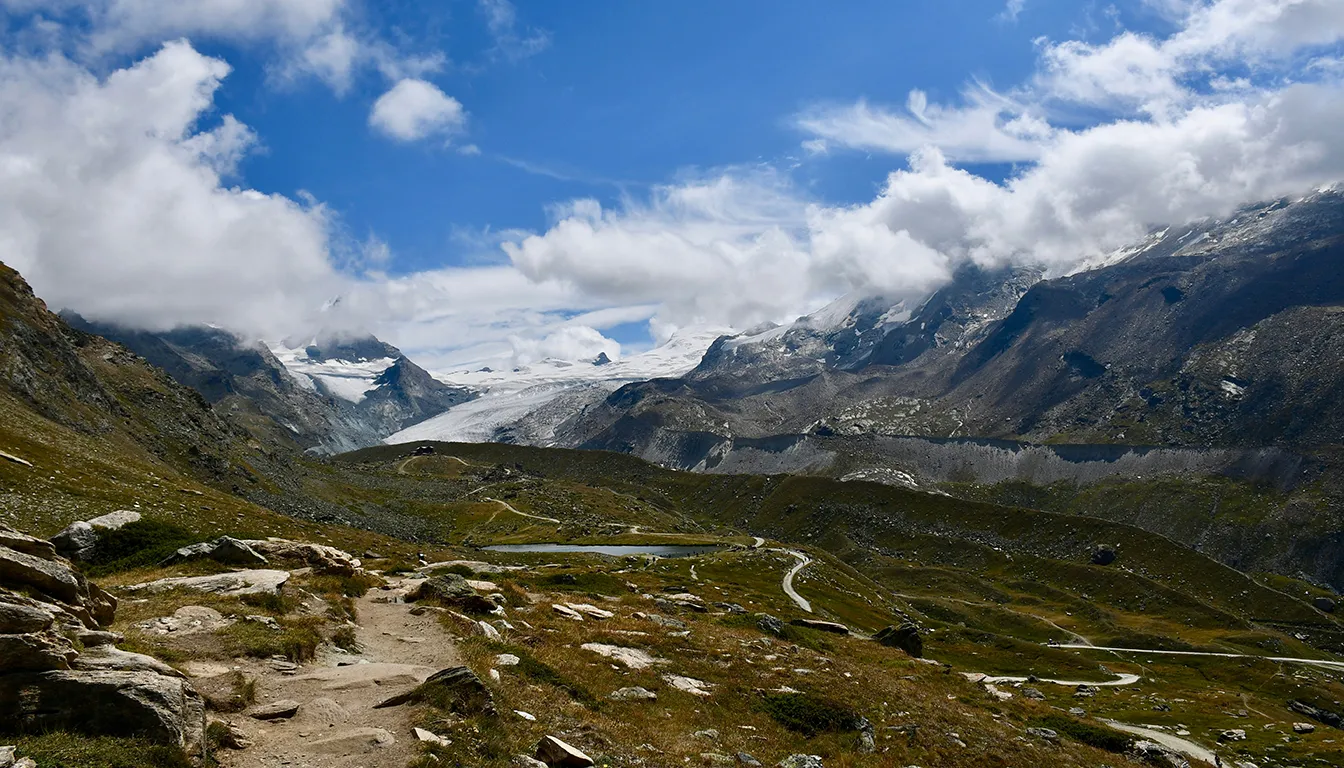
{"points": [[661, 550]]}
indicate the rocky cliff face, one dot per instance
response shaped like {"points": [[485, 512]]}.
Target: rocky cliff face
{"points": [[1225, 333]]}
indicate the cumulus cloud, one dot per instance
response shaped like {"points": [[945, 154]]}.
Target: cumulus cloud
{"points": [[415, 109], [571, 342], [111, 200]]}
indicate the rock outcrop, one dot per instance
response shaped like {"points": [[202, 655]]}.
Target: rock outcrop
{"points": [[80, 539], [48, 612], [225, 549], [906, 637], [321, 558]]}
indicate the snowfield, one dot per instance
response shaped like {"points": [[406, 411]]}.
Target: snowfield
{"points": [[526, 404], [347, 380]]}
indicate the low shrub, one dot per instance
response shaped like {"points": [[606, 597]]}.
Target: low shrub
{"points": [[68, 750], [296, 640], [1098, 736], [809, 715], [142, 543], [275, 603], [345, 586], [345, 639]]}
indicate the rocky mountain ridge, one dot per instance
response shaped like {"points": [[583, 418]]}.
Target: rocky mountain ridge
{"points": [[299, 401]]}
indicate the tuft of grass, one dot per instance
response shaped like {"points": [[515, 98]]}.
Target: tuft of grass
{"points": [[274, 603], [534, 670], [345, 639], [1098, 736], [465, 571], [345, 586], [241, 695], [297, 639], [808, 714], [69, 750]]}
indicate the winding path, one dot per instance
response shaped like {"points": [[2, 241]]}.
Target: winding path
{"points": [[1338, 666], [1184, 746], [510, 508], [803, 562], [1125, 679]]}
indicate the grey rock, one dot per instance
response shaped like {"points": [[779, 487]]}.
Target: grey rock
{"points": [[231, 736], [26, 762], [108, 657], [800, 761], [456, 688], [18, 618], [325, 560], [35, 652], [165, 710], [867, 736], [1303, 728], [7, 757], [252, 582], [745, 759], [906, 637], [50, 577], [225, 549], [770, 625], [523, 761], [1232, 734], [79, 539], [1318, 714], [557, 754], [716, 760], [1044, 733], [1324, 604], [29, 545], [633, 693], [732, 608], [1103, 556], [276, 710], [452, 590], [1033, 693], [709, 733], [1156, 754], [822, 626]]}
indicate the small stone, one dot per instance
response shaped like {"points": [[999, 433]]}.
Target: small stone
{"points": [[1044, 733], [507, 660], [6, 757], [1033, 693], [231, 737], [489, 631], [634, 693], [429, 737], [745, 759], [800, 761], [1232, 734], [567, 612], [709, 733], [557, 754], [528, 716], [276, 710], [523, 761], [717, 760]]}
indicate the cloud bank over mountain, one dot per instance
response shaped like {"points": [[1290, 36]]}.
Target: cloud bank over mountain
{"points": [[121, 197]]}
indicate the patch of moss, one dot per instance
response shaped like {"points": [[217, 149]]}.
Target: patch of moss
{"points": [[808, 714]]}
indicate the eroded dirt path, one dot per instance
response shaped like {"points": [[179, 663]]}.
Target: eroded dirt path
{"points": [[336, 725]]}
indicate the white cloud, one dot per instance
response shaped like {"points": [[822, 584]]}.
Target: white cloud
{"points": [[111, 200], [416, 109], [570, 342], [501, 19], [1013, 9], [987, 128]]}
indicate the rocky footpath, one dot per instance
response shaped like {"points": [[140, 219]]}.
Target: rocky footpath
{"points": [[59, 667]]}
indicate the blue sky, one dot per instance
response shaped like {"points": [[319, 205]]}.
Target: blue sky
{"points": [[481, 181], [624, 96]]}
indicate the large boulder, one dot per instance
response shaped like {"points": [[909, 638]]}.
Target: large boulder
{"points": [[453, 591], [906, 637], [38, 651], [1324, 604], [162, 709], [321, 558], [80, 539], [456, 689], [225, 549]]}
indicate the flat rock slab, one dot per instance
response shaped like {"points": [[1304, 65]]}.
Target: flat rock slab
{"points": [[354, 741], [630, 657], [688, 684], [276, 710], [557, 754], [254, 582], [822, 626], [590, 610], [368, 675]]}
